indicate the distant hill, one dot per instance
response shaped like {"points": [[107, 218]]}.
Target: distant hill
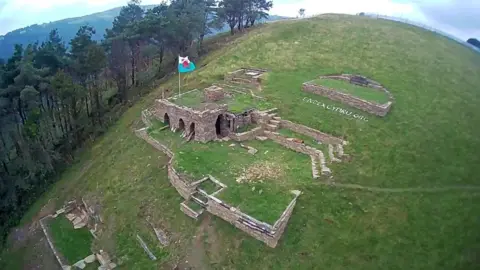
{"points": [[67, 29]]}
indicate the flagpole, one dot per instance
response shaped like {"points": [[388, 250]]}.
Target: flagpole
{"points": [[179, 76]]}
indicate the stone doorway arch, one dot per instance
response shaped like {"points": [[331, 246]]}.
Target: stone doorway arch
{"points": [[166, 119], [191, 131], [218, 124], [181, 125]]}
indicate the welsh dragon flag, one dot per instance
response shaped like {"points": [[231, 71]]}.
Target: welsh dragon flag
{"points": [[185, 65]]}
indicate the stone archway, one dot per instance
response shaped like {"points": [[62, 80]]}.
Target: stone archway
{"points": [[166, 119], [191, 131], [181, 125], [218, 124]]}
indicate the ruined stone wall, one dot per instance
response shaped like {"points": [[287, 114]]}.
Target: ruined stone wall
{"points": [[318, 135], [245, 136], [242, 119], [260, 118], [204, 120], [281, 224], [258, 230], [188, 211], [181, 183], [142, 133], [295, 146], [213, 93], [367, 106]]}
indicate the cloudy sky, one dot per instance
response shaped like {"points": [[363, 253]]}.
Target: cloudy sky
{"points": [[460, 18]]}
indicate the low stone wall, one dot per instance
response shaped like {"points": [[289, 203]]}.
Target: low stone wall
{"points": [[245, 136], [179, 181], [189, 211], [295, 146], [259, 230], [367, 106], [307, 131], [281, 223], [142, 133]]}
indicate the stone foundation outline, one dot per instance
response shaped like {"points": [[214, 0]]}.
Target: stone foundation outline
{"points": [[353, 101]]}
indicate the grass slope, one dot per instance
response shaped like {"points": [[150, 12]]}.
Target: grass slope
{"points": [[430, 138]]}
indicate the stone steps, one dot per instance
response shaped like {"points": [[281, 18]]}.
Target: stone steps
{"points": [[271, 127], [261, 138], [274, 122]]}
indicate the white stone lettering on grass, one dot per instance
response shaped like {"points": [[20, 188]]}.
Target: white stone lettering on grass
{"points": [[335, 109]]}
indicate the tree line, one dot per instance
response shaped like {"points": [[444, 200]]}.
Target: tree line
{"points": [[55, 96]]}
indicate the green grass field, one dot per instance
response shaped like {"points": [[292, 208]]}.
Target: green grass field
{"points": [[362, 92], [73, 244], [429, 139]]}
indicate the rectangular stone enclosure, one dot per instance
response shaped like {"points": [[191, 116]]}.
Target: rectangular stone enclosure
{"points": [[252, 76], [353, 101]]}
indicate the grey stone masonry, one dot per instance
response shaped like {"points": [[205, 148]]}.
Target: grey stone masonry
{"points": [[203, 122], [213, 93], [307, 131]]}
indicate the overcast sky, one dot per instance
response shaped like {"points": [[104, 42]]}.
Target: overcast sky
{"points": [[460, 18]]}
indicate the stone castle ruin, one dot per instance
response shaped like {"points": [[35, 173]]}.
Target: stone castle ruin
{"points": [[356, 102], [214, 122]]}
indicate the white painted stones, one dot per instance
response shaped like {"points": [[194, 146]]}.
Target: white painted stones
{"points": [[90, 258], [80, 264], [331, 155], [252, 151], [146, 249], [340, 150], [70, 216], [314, 167], [325, 169]]}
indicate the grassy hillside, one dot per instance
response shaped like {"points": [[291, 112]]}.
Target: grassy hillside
{"points": [[430, 139]]}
